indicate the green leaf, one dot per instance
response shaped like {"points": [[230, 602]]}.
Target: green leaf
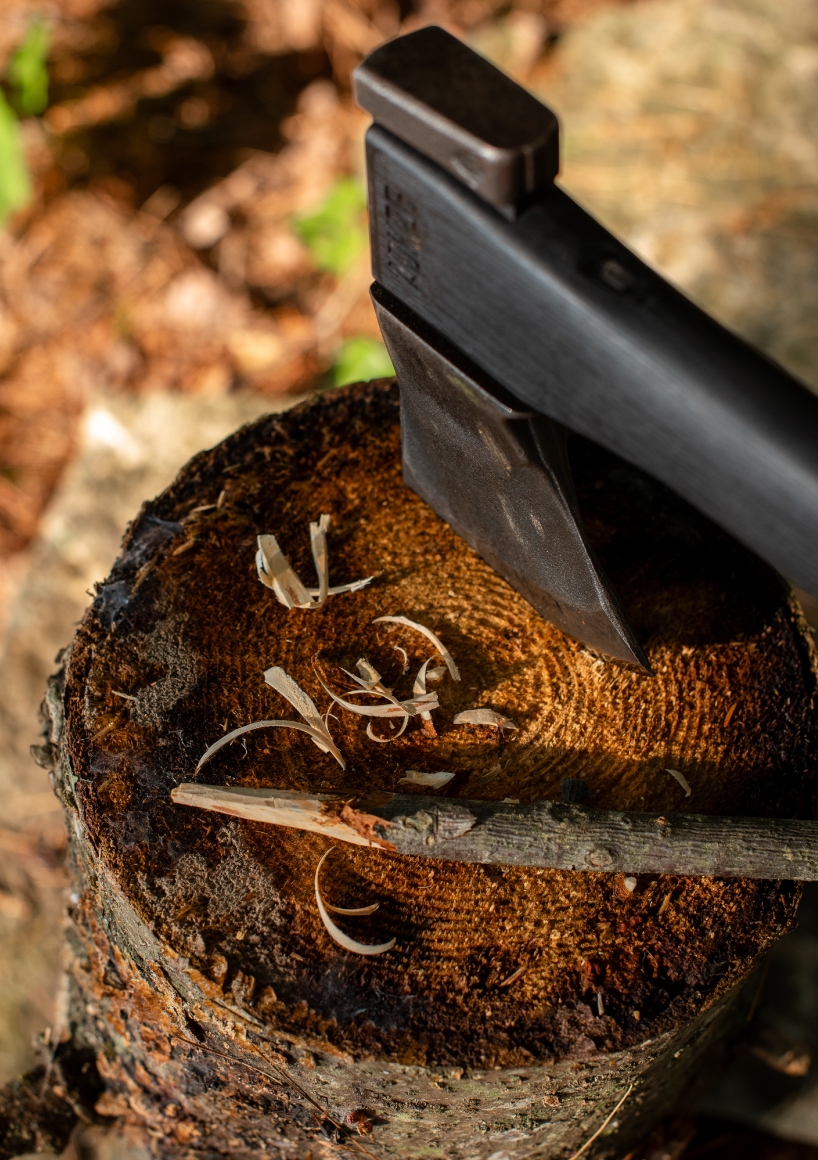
{"points": [[335, 234], [359, 359], [27, 72], [15, 185]]}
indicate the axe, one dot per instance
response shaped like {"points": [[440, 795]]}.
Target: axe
{"points": [[512, 316]]}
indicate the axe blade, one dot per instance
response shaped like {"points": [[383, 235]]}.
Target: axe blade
{"points": [[497, 472]]}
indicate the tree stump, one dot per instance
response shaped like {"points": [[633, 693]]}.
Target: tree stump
{"points": [[518, 1006]]}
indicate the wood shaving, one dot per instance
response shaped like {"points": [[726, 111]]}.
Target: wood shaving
{"points": [[354, 910], [277, 679], [513, 978], [436, 674], [682, 780], [484, 717], [385, 740], [427, 632], [336, 933], [318, 542], [435, 780], [397, 648], [370, 675], [228, 737], [283, 683], [419, 690], [412, 708], [274, 570]]}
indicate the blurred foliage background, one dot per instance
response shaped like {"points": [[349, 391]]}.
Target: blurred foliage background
{"points": [[184, 230]]}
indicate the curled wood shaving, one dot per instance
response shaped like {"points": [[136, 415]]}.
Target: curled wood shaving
{"points": [[228, 737], [682, 780], [277, 679], [419, 690], [397, 648], [354, 910], [371, 681], [484, 717], [435, 780], [370, 675], [318, 542], [336, 933], [274, 570], [411, 708], [386, 740], [427, 632], [283, 683]]}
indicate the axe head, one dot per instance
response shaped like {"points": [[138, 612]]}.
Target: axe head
{"points": [[498, 473]]}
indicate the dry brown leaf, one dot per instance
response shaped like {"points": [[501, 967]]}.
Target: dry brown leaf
{"points": [[427, 632], [336, 933]]}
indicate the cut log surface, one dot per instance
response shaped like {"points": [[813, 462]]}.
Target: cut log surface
{"points": [[519, 1004]]}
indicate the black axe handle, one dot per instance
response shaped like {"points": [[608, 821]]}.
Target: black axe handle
{"points": [[469, 231]]}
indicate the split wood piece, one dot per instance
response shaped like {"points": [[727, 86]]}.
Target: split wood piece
{"points": [[548, 834], [572, 985]]}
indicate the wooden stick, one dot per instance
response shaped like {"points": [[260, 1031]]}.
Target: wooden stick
{"points": [[548, 834]]}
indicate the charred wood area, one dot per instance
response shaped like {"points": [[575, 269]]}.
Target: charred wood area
{"points": [[519, 1004]]}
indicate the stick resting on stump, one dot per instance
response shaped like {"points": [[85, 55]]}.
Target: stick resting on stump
{"points": [[548, 834]]}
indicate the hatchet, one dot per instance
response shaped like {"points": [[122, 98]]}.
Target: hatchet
{"points": [[512, 316]]}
